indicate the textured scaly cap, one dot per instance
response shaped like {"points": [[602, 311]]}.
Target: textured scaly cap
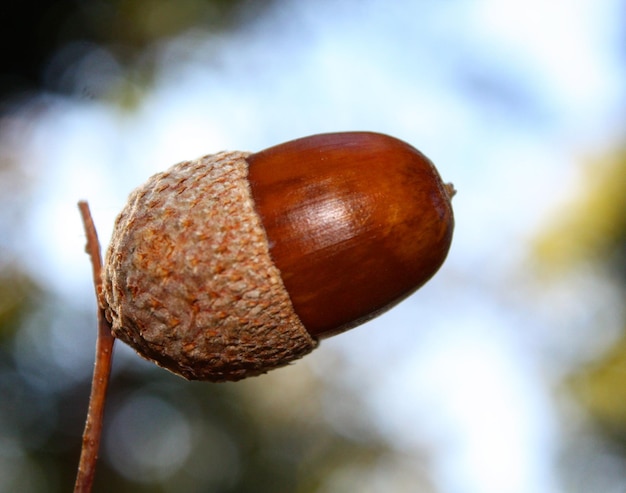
{"points": [[188, 278]]}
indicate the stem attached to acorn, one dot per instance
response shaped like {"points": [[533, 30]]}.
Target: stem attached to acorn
{"points": [[102, 367]]}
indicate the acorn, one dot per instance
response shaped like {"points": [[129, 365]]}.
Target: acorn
{"points": [[237, 263]]}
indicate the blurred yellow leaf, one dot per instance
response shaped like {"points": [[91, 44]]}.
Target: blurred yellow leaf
{"points": [[594, 226], [601, 387]]}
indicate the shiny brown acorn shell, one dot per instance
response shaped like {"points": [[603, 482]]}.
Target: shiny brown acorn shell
{"points": [[356, 222]]}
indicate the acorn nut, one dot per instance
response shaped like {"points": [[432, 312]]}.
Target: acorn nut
{"points": [[236, 263]]}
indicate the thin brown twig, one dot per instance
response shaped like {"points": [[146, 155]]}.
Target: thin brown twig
{"points": [[102, 367]]}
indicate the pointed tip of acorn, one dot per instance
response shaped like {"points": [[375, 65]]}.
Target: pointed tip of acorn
{"points": [[450, 190]]}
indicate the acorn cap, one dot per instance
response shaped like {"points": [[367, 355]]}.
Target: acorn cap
{"points": [[188, 279]]}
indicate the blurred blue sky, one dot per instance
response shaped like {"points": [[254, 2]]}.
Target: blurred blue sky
{"points": [[505, 97]]}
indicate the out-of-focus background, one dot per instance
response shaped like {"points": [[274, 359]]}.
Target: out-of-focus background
{"points": [[505, 374]]}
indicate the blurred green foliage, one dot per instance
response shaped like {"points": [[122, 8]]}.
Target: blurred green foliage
{"points": [[18, 295]]}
